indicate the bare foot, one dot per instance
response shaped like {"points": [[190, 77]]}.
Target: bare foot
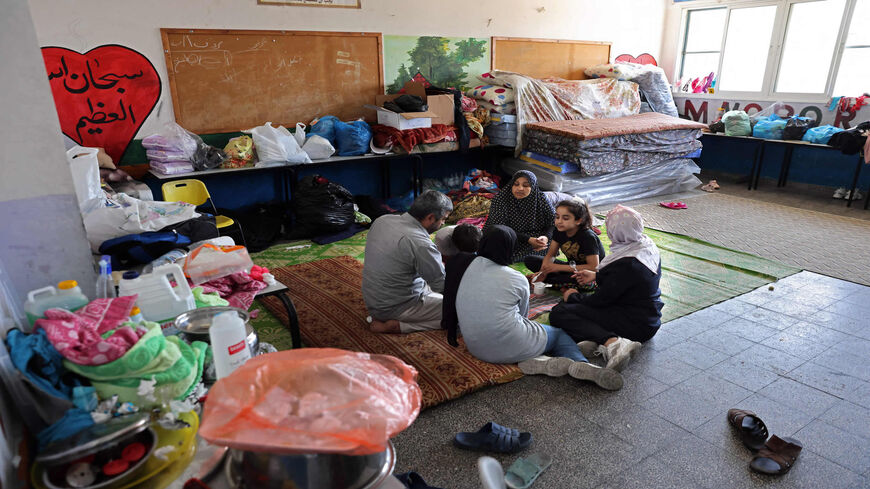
{"points": [[388, 326]]}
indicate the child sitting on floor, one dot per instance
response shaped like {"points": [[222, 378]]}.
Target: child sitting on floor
{"points": [[576, 239], [450, 240]]}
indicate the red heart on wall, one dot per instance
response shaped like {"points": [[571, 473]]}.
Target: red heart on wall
{"points": [[643, 59], [103, 96]]}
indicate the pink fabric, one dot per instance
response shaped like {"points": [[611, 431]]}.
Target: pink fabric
{"points": [[239, 289], [474, 221], [78, 336]]}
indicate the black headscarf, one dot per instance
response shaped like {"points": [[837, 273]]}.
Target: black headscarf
{"points": [[531, 216], [497, 245]]}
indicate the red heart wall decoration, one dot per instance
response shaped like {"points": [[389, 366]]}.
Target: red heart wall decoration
{"points": [[643, 59], [103, 96]]}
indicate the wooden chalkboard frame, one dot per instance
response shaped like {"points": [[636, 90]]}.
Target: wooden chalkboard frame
{"points": [[544, 43], [167, 51], [306, 4]]}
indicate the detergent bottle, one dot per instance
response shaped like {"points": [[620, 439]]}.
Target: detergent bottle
{"points": [[68, 295], [163, 293]]}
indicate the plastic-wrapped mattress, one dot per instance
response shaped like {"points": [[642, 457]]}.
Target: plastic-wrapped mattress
{"points": [[666, 177]]}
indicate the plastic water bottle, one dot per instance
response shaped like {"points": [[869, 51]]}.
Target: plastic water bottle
{"points": [[230, 350], [105, 284]]}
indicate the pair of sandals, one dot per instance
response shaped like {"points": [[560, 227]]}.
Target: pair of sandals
{"points": [[776, 455], [493, 437]]}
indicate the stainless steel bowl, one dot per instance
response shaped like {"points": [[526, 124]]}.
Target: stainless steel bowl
{"points": [[257, 470], [194, 324]]}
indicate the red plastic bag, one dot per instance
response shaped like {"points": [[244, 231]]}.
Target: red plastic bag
{"points": [[313, 400]]}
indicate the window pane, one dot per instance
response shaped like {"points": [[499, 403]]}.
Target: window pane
{"points": [[697, 65], [705, 30], [746, 47], [809, 46], [854, 76], [859, 31]]}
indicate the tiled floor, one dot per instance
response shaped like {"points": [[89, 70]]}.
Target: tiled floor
{"points": [[798, 355]]}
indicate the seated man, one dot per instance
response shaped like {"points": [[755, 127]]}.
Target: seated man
{"points": [[450, 240], [403, 276]]}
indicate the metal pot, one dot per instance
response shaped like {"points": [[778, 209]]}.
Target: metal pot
{"points": [[193, 325], [258, 470]]}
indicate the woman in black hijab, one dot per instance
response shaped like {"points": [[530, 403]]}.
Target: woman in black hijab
{"points": [[489, 301], [522, 207]]}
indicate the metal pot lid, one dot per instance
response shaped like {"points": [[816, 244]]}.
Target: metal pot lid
{"points": [[93, 438], [197, 321]]}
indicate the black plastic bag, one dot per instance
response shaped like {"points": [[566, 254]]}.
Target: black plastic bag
{"points": [[321, 207], [797, 126], [207, 157], [717, 126]]}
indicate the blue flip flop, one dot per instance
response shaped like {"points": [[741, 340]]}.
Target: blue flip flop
{"points": [[493, 438], [523, 472]]}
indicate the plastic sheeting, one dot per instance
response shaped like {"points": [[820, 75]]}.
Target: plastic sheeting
{"points": [[671, 176]]}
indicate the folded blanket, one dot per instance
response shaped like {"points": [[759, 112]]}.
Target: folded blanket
{"points": [[599, 128], [174, 366], [91, 335], [239, 289]]}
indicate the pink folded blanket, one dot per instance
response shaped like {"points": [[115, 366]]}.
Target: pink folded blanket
{"points": [[91, 335]]}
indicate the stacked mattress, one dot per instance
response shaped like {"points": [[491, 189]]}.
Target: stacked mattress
{"points": [[601, 146]]}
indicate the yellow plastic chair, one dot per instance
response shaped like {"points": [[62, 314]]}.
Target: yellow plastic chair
{"points": [[194, 192]]}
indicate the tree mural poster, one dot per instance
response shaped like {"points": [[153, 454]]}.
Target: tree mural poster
{"points": [[440, 61]]}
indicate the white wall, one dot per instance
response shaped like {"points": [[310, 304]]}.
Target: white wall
{"points": [[42, 238], [633, 26]]}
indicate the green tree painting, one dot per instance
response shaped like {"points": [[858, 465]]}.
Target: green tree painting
{"points": [[443, 61]]}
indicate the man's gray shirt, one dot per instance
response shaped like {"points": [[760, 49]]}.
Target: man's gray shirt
{"points": [[400, 259]]}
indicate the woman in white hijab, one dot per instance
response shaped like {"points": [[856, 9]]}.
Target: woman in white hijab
{"points": [[626, 308]]}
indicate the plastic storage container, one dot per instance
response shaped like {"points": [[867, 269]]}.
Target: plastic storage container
{"points": [[67, 296], [158, 299]]}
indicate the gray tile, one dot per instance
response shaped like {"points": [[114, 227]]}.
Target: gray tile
{"points": [[686, 326], [849, 417], [592, 452], [711, 466], [797, 280], [687, 410], [666, 369], [856, 346], [817, 333], [638, 388], [743, 373], [794, 345], [814, 298], [714, 390], [734, 307], [799, 396], [726, 343], [652, 472], [850, 310], [790, 308], [859, 296], [647, 431], [839, 446], [755, 298], [772, 359], [840, 360], [721, 434], [841, 323], [709, 316], [695, 354], [861, 395], [826, 379], [664, 339], [769, 318], [745, 328]]}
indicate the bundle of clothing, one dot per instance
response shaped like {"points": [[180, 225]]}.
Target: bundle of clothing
{"points": [[386, 136]]}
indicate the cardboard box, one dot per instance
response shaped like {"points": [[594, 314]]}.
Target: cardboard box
{"points": [[440, 106], [405, 120]]}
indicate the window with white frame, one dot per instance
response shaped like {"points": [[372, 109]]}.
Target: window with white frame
{"points": [[792, 49]]}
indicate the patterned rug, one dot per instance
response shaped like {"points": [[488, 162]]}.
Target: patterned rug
{"points": [[328, 299]]}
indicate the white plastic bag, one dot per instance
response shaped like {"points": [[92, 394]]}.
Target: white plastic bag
{"points": [[318, 147], [125, 215], [299, 135], [85, 170], [276, 146]]}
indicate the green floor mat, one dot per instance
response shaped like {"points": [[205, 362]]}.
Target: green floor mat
{"points": [[695, 274]]}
